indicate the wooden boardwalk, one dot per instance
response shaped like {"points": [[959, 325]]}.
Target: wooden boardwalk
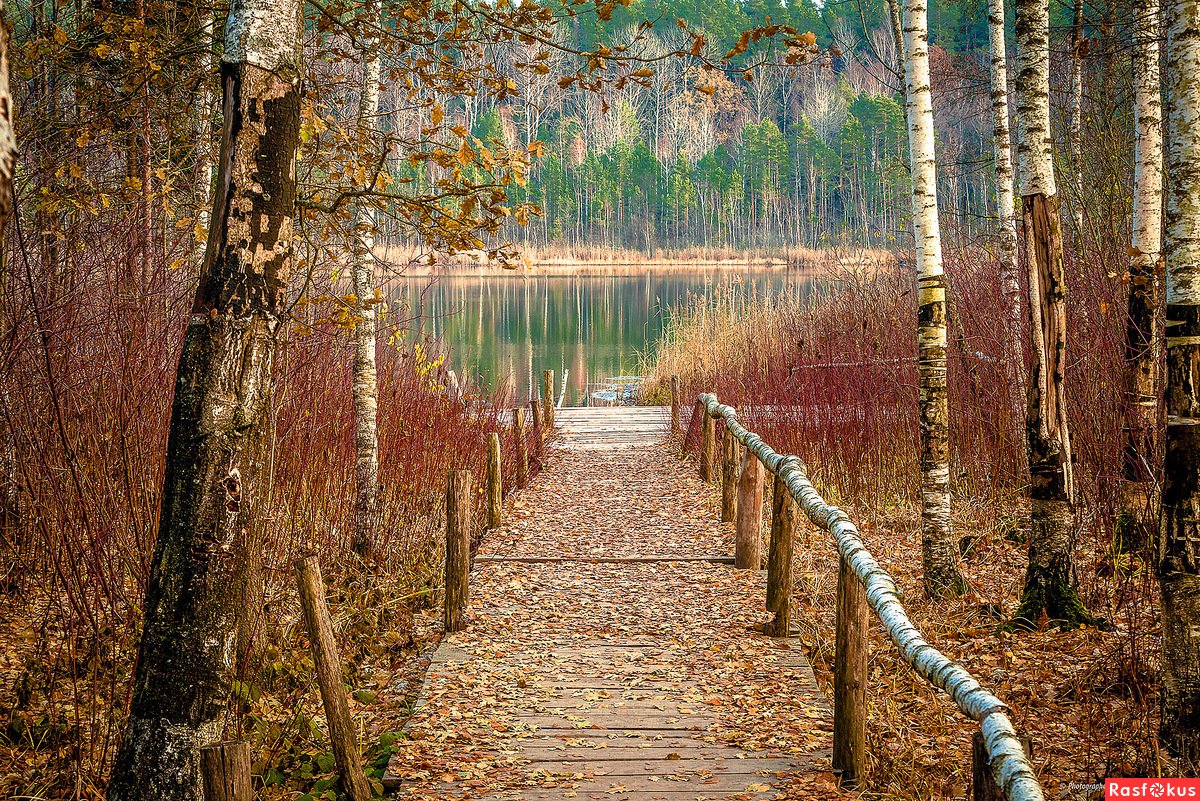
{"points": [[608, 654]]}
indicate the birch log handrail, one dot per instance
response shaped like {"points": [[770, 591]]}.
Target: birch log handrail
{"points": [[1010, 766]]}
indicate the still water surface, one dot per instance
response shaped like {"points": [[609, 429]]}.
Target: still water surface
{"points": [[504, 330]]}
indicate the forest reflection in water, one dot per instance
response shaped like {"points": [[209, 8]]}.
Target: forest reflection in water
{"points": [[503, 330]]}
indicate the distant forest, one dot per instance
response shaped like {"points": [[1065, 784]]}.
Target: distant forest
{"points": [[761, 154]]}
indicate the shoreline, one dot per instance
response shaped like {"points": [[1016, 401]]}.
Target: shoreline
{"points": [[604, 269]]}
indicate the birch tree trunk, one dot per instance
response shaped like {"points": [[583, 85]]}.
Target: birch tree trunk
{"points": [[204, 115], [192, 605], [365, 379], [1076, 129], [1050, 577], [898, 34], [1143, 334], [1179, 554], [938, 547], [1010, 283]]}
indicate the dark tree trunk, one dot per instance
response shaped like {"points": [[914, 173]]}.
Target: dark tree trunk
{"points": [[193, 601]]}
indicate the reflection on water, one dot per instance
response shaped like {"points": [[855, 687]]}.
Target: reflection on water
{"points": [[507, 329]]}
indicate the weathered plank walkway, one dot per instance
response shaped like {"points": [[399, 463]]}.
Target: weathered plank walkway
{"points": [[635, 677]]}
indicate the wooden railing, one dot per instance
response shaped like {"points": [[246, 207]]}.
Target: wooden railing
{"points": [[1002, 767]]}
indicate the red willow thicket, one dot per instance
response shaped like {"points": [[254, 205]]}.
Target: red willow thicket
{"points": [[89, 357], [833, 379]]}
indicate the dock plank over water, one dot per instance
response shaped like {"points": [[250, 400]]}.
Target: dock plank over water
{"points": [[589, 671]]}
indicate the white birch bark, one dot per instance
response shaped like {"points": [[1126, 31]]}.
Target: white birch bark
{"points": [[1010, 283], [205, 163], [939, 549], [365, 378], [1076, 125], [1143, 335], [1179, 548]]}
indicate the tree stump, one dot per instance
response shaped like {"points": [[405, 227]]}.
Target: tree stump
{"points": [[748, 542], [342, 735], [495, 482], [850, 679], [225, 771], [458, 548]]}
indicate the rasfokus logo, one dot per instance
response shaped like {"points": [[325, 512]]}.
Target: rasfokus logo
{"points": [[1152, 788]]}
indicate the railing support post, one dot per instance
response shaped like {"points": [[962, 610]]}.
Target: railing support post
{"points": [[748, 541], [698, 415], [983, 783], [729, 478], [850, 679], [676, 399], [548, 400], [225, 771], [779, 559], [522, 446], [495, 482], [458, 548], [708, 444], [535, 411]]}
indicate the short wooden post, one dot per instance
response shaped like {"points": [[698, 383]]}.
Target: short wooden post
{"points": [[535, 411], [983, 783], [225, 771], [729, 478], [522, 446], [458, 548], [676, 399], [748, 540], [779, 559], [342, 734], [548, 399], [495, 482], [698, 415], [850, 679], [708, 445]]}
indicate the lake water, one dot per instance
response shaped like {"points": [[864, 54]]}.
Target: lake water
{"points": [[508, 329]]}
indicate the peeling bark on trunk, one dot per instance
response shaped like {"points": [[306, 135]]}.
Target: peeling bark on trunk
{"points": [[1143, 333], [939, 550], [365, 378], [1179, 547], [186, 657], [1010, 282], [1050, 578]]}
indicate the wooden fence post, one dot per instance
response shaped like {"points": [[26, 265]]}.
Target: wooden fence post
{"points": [[342, 734], [983, 783], [729, 478], [708, 446], [458, 548], [676, 398], [779, 559], [522, 446], [495, 482], [698, 415], [748, 541], [535, 411], [548, 399], [850, 679], [225, 771]]}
